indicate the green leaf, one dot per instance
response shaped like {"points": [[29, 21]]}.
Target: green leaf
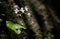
{"points": [[15, 27], [1, 20]]}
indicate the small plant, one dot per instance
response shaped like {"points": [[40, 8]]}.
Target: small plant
{"points": [[15, 27]]}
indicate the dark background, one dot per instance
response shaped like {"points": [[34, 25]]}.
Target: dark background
{"points": [[55, 4]]}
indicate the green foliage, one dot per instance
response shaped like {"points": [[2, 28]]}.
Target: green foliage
{"points": [[26, 0], [1, 20], [50, 36], [15, 27]]}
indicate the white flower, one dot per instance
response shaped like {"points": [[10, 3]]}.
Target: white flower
{"points": [[29, 14], [15, 6], [22, 10], [16, 10], [26, 8]]}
